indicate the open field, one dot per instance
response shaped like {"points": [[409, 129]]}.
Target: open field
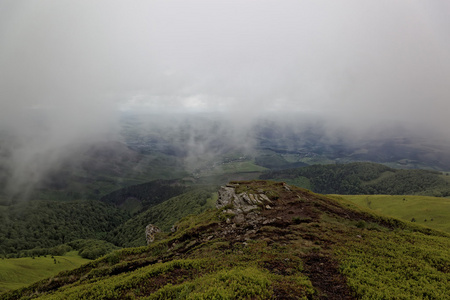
{"points": [[433, 212], [19, 272]]}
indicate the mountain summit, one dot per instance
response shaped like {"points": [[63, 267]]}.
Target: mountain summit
{"points": [[268, 240]]}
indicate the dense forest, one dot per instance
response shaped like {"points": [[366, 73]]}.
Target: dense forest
{"points": [[45, 224], [137, 198], [163, 215], [364, 178], [93, 227]]}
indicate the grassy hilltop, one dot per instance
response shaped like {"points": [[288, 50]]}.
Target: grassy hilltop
{"points": [[303, 245], [428, 211]]}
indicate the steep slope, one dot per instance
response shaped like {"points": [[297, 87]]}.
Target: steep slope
{"points": [[140, 197], [36, 227], [268, 240], [163, 215], [33, 225]]}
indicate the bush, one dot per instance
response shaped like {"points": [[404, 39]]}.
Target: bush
{"points": [[92, 249]]}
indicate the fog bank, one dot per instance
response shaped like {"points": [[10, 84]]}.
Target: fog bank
{"points": [[68, 69]]}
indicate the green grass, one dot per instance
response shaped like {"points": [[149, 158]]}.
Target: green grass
{"points": [[433, 212], [397, 265], [240, 273], [19, 272]]}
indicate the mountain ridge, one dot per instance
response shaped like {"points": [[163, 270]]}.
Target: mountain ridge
{"points": [[304, 246]]}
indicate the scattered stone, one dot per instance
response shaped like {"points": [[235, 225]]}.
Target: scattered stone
{"points": [[239, 219], [265, 198], [150, 232], [242, 202], [232, 185], [250, 232], [286, 187], [229, 211]]}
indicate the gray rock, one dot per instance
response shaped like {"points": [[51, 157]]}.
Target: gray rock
{"points": [[244, 201], [239, 219], [150, 232], [244, 206]]}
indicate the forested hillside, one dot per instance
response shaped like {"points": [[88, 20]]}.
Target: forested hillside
{"points": [[163, 215], [36, 227], [44, 224], [364, 178], [137, 198]]}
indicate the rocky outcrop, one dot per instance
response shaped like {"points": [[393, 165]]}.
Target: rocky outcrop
{"points": [[150, 232], [242, 202]]}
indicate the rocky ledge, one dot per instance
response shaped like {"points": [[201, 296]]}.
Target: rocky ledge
{"points": [[240, 203]]}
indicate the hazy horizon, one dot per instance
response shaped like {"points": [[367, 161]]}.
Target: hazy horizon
{"points": [[70, 69]]}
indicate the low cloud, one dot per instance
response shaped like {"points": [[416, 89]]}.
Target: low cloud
{"points": [[69, 68]]}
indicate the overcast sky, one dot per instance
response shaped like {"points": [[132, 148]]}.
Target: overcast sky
{"points": [[383, 59]]}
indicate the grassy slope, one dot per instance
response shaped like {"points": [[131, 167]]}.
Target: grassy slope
{"points": [[19, 272], [432, 212], [307, 245]]}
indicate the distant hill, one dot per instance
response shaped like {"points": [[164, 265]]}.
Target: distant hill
{"points": [[364, 178], [273, 241]]}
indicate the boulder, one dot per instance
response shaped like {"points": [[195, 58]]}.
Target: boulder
{"points": [[240, 203], [150, 232]]}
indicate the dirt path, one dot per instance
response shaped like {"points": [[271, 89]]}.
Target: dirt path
{"points": [[325, 277]]}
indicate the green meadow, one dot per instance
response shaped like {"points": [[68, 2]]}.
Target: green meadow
{"points": [[433, 212], [19, 272]]}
